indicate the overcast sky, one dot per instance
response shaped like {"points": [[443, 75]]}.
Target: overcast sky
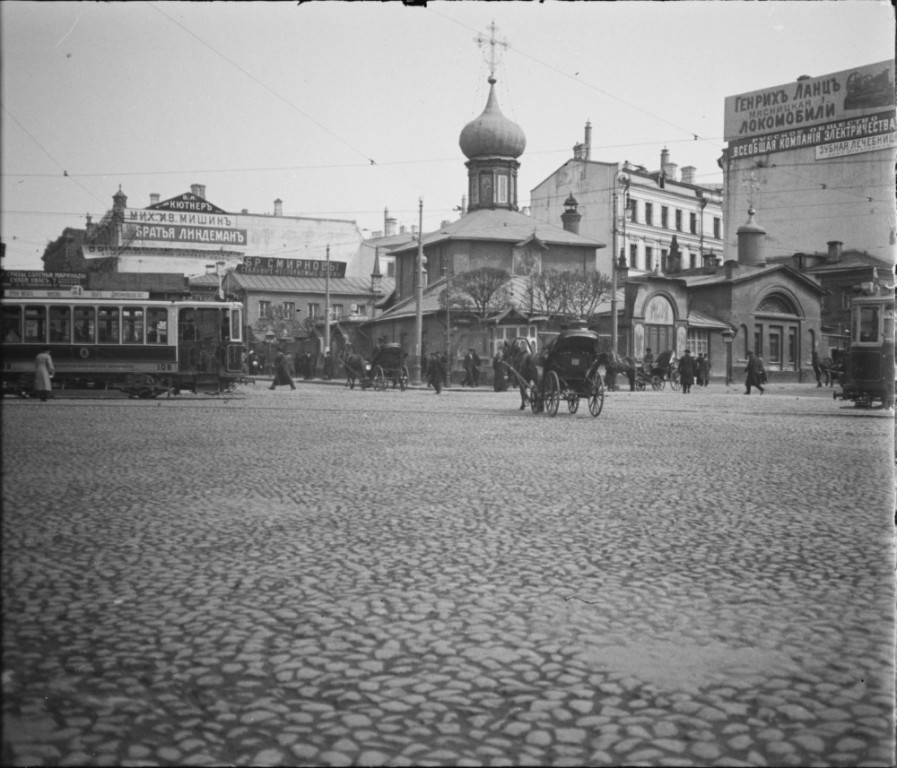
{"points": [[344, 109]]}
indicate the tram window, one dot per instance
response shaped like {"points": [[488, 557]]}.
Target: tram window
{"points": [[208, 324], [235, 331], [187, 325], [868, 325], [36, 324], [157, 326], [12, 324], [85, 325], [107, 325], [132, 325], [61, 325]]}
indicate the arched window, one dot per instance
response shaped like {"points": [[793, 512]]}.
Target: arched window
{"points": [[777, 303]]}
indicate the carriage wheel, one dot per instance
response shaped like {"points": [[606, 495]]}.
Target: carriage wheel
{"points": [[596, 396], [379, 379], [403, 378], [657, 383], [573, 403], [674, 380], [535, 399], [639, 384], [552, 394]]}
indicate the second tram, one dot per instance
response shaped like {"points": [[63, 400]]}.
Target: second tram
{"points": [[869, 366]]}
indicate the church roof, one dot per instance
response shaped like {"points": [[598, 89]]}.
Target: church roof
{"points": [[492, 134], [501, 224]]}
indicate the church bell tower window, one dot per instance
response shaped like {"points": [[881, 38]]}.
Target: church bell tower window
{"points": [[503, 189]]}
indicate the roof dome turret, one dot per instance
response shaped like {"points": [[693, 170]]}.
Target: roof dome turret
{"points": [[492, 134]]}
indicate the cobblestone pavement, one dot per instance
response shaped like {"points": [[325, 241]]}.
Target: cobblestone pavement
{"points": [[335, 577]]}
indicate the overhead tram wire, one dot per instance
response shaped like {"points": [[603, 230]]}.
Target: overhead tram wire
{"points": [[340, 139], [580, 81], [43, 149]]}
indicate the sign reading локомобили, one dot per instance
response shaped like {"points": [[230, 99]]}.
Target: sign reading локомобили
{"points": [[843, 113]]}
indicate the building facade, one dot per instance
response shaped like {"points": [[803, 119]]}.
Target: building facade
{"points": [[187, 232], [650, 214], [492, 233], [816, 157]]}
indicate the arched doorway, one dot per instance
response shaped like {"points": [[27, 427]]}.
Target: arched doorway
{"points": [[660, 328], [776, 337]]}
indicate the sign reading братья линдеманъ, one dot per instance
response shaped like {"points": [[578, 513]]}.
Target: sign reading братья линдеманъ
{"points": [[848, 106]]}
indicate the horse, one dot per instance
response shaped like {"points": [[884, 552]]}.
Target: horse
{"points": [[614, 364], [830, 370], [354, 365], [519, 358]]}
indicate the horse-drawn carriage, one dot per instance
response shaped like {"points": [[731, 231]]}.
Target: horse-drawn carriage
{"points": [[658, 373], [570, 371], [387, 364]]}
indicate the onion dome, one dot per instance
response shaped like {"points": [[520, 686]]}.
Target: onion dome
{"points": [[492, 134]]}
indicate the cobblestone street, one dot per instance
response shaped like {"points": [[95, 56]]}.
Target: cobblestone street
{"points": [[338, 577]]}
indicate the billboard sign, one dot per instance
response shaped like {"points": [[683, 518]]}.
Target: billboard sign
{"points": [[183, 220], [28, 279], [841, 97], [270, 265]]}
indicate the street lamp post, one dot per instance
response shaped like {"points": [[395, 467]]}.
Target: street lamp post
{"points": [[419, 317], [728, 338]]}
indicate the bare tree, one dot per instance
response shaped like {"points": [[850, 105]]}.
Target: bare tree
{"points": [[547, 292], [586, 292], [481, 292]]}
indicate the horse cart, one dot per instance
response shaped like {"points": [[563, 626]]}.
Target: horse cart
{"points": [[388, 364], [570, 373], [662, 370]]}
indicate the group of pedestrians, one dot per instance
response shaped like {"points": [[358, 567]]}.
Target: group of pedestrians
{"points": [[693, 371]]}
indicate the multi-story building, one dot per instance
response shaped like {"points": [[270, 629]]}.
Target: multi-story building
{"points": [[815, 157], [651, 215]]}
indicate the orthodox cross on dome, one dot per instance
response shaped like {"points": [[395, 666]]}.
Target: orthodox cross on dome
{"points": [[492, 41], [751, 186]]}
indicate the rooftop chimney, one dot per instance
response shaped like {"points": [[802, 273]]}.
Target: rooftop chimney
{"points": [[389, 226], [278, 207], [588, 141], [834, 251], [199, 190], [688, 174], [154, 198], [669, 169]]}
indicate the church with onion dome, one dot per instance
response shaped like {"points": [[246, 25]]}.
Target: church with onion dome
{"points": [[491, 232]]}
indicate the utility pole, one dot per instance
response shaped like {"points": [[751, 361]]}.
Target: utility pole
{"points": [[327, 303], [419, 317], [448, 319]]}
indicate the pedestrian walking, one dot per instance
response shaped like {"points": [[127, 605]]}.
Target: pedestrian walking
{"points": [[817, 368], [705, 370], [753, 371], [435, 373], [443, 358], [328, 365], [686, 368], [281, 374], [43, 373]]}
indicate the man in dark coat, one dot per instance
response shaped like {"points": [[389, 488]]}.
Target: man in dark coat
{"points": [[281, 374], [499, 378], [754, 373], [435, 372], [686, 369]]}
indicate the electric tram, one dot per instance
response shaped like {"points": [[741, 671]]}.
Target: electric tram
{"points": [[140, 346], [869, 368]]}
